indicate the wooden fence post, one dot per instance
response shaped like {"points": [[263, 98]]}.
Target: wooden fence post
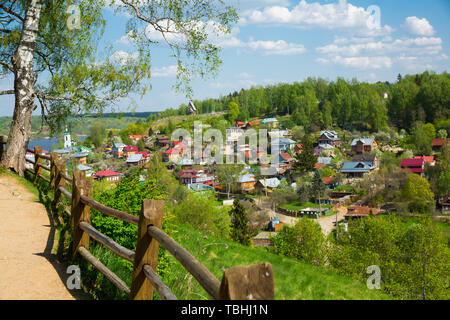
{"points": [[80, 211], [37, 162], [53, 159], [60, 167], [248, 283], [146, 249]]}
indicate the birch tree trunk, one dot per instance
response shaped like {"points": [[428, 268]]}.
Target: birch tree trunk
{"points": [[24, 81]]}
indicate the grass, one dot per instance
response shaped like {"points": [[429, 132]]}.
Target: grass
{"points": [[298, 205], [293, 280]]}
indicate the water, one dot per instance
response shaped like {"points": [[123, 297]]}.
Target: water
{"points": [[47, 144]]}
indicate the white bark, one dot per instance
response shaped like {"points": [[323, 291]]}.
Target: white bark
{"points": [[24, 81]]}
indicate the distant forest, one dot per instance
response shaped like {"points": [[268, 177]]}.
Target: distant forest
{"points": [[349, 104]]}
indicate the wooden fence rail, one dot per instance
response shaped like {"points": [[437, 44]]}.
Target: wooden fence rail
{"points": [[252, 282]]}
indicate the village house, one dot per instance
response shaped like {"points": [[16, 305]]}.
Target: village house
{"points": [[240, 124], [136, 138], [282, 145], [429, 160], [129, 150], [171, 155], [135, 160], [330, 182], [329, 137], [356, 169], [360, 212], [199, 187], [117, 149], [361, 145], [163, 142], [108, 175], [444, 204], [328, 148], [246, 182], [80, 157], [367, 157], [437, 144], [268, 184], [413, 165], [86, 169], [271, 122]]}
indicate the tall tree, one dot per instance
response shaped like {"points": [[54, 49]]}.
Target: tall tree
{"points": [[306, 159], [59, 41], [240, 230]]}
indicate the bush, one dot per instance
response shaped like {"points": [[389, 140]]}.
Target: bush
{"points": [[305, 242]]}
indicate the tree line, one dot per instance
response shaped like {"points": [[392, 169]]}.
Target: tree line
{"points": [[317, 103]]}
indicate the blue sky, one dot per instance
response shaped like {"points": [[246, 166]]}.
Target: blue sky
{"points": [[289, 40]]}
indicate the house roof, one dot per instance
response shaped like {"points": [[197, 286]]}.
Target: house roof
{"points": [[349, 167], [269, 120], [366, 141], [270, 183], [79, 155], [82, 167], [412, 162], [119, 145], [283, 141], [438, 142], [171, 151], [246, 178], [131, 148], [199, 187], [428, 159], [318, 165], [328, 180], [134, 158], [107, 173], [364, 157]]}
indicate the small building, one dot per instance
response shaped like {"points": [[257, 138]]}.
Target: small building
{"points": [[135, 160], [429, 160], [128, 150], [108, 175], [367, 157], [329, 137], [437, 144], [269, 184], [81, 157], [199, 187], [240, 124], [137, 137], [330, 182], [413, 165], [323, 147], [86, 169], [117, 149], [171, 155], [361, 145], [273, 122], [282, 145], [324, 160], [356, 169], [246, 182], [360, 212], [162, 142]]}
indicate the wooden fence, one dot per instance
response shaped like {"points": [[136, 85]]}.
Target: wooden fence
{"points": [[242, 283]]}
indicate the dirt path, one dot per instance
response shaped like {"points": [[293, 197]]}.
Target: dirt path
{"points": [[326, 223], [28, 270]]}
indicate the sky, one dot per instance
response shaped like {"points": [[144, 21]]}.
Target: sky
{"points": [[289, 40]]}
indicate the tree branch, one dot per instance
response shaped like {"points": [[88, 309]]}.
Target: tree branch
{"points": [[7, 66], [5, 92], [8, 10]]}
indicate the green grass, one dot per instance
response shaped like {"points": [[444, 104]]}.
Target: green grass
{"points": [[298, 205], [293, 280]]}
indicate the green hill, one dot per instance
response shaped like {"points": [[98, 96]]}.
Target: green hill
{"points": [[293, 280]]}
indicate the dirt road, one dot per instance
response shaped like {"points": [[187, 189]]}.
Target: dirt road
{"points": [[28, 270]]}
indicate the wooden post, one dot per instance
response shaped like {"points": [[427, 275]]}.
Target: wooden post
{"points": [[248, 283], [37, 162], [146, 249], [80, 211], [53, 159], [60, 167]]}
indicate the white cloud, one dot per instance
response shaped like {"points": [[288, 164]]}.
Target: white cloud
{"points": [[279, 47], [244, 75], [122, 57], [361, 63], [164, 72], [420, 27], [307, 15]]}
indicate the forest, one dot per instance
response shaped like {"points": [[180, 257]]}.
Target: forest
{"points": [[317, 103]]}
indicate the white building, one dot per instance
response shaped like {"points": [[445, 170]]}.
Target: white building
{"points": [[67, 140]]}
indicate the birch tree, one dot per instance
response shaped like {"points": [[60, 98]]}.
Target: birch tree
{"points": [[50, 50]]}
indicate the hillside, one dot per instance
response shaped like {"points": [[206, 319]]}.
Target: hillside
{"points": [[293, 280]]}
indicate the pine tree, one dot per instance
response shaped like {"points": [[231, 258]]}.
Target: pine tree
{"points": [[240, 231], [306, 159]]}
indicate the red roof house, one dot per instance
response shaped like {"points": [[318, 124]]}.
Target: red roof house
{"points": [[437, 144], [413, 165], [428, 159], [107, 174]]}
